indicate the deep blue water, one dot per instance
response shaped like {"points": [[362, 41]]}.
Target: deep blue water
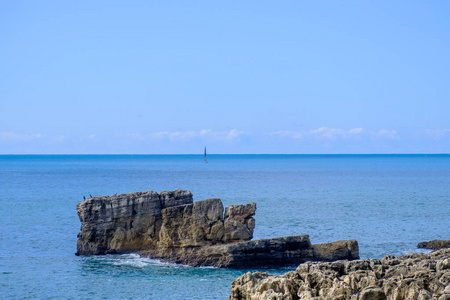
{"points": [[388, 203]]}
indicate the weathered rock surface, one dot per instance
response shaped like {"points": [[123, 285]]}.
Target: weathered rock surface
{"points": [[124, 223], [285, 251], [148, 220], [171, 227], [411, 276], [434, 244], [288, 251]]}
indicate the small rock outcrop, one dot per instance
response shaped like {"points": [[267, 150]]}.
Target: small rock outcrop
{"points": [[276, 252], [288, 251], [411, 276], [434, 244], [171, 227]]}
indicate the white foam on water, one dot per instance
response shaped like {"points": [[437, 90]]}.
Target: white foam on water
{"points": [[131, 260], [207, 267], [416, 250], [136, 261]]}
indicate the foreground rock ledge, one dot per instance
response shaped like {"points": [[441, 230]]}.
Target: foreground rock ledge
{"points": [[411, 276], [171, 227]]}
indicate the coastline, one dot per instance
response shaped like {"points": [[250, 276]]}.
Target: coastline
{"points": [[411, 276], [388, 205]]}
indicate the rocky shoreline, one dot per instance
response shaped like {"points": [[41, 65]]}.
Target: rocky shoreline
{"points": [[412, 276], [171, 227]]}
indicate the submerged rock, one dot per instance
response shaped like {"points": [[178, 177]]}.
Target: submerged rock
{"points": [[171, 227], [411, 276]]}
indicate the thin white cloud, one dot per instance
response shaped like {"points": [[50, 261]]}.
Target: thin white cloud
{"points": [[355, 131], [234, 134], [12, 136], [325, 132], [288, 134], [182, 135], [230, 135], [171, 135], [322, 132], [60, 138], [385, 133], [336, 133], [437, 133], [205, 132]]}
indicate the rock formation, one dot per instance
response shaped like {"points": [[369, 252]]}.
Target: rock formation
{"points": [[411, 276], [434, 244], [285, 251], [171, 227], [148, 220], [123, 223]]}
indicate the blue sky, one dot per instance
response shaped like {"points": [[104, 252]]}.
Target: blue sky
{"points": [[235, 76]]}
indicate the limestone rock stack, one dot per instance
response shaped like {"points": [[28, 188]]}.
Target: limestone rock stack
{"points": [[148, 220], [171, 227], [123, 223]]}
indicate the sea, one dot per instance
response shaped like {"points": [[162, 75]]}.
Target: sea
{"points": [[388, 203]]}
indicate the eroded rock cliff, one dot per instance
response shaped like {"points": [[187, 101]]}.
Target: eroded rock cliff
{"points": [[412, 276], [151, 221], [124, 223], [171, 227]]}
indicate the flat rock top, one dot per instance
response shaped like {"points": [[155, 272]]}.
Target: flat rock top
{"points": [[133, 195]]}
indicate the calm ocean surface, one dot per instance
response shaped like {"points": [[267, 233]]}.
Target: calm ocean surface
{"points": [[388, 203]]}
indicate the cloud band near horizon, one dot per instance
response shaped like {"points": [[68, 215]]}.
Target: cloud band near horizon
{"points": [[320, 140]]}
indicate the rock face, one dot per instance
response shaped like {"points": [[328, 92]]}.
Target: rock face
{"points": [[434, 244], [288, 251], [285, 251], [148, 220], [412, 276], [123, 223], [171, 227]]}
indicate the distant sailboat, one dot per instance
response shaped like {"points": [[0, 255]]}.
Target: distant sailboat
{"points": [[204, 159]]}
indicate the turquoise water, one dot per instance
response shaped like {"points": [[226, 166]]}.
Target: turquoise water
{"points": [[388, 203]]}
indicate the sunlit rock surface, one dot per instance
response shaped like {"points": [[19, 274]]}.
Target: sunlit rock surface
{"points": [[411, 276]]}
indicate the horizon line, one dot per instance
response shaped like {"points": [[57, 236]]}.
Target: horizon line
{"points": [[147, 154]]}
